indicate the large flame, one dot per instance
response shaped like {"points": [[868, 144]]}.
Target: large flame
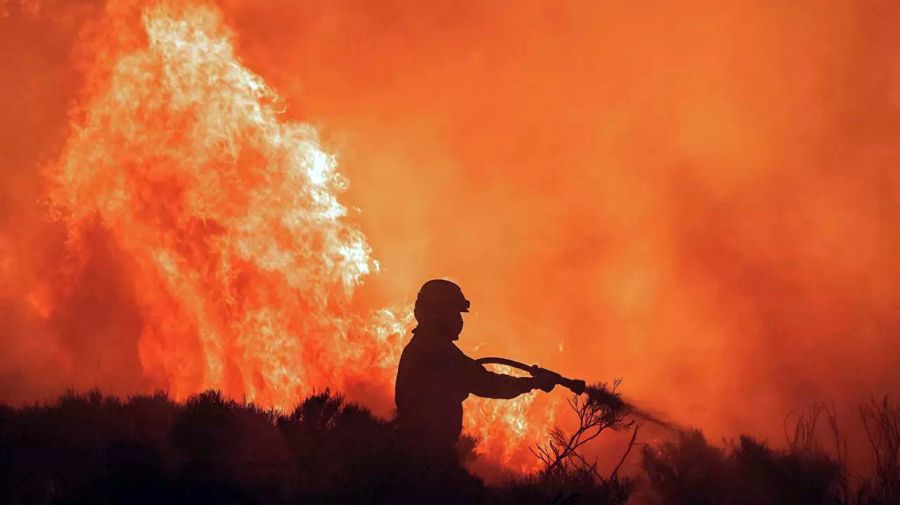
{"points": [[699, 198], [244, 261]]}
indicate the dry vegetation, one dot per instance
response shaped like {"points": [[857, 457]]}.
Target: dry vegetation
{"points": [[148, 449]]}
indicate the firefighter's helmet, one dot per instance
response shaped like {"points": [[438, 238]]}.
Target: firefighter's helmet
{"points": [[439, 296]]}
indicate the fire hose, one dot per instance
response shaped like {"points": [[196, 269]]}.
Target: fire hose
{"points": [[598, 393], [577, 386]]}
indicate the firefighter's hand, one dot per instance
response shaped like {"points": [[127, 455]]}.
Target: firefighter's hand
{"points": [[544, 380]]}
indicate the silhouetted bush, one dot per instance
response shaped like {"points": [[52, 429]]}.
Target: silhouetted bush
{"points": [[881, 420], [568, 475], [87, 448], [91, 449], [575, 485], [690, 471]]}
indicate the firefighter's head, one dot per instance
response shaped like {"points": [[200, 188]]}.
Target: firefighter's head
{"points": [[439, 307]]}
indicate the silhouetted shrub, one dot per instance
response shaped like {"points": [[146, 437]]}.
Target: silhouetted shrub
{"points": [[87, 448], [568, 475], [690, 471], [881, 420], [575, 485], [687, 471]]}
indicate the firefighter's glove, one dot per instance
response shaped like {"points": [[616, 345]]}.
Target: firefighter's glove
{"points": [[544, 380]]}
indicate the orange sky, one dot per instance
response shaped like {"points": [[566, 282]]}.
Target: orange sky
{"points": [[701, 199]]}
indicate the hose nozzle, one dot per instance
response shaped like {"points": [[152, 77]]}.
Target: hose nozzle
{"points": [[577, 386]]}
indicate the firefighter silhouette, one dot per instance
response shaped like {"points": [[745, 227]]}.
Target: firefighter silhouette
{"points": [[434, 376]]}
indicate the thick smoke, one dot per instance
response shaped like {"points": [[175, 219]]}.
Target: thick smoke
{"points": [[701, 199]]}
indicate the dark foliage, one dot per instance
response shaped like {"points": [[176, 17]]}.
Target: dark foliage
{"points": [[566, 470], [148, 449], [690, 471], [881, 420]]}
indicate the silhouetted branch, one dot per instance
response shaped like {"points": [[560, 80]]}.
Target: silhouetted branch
{"points": [[881, 421], [595, 413], [634, 433]]}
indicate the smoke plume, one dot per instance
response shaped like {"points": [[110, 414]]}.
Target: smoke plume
{"points": [[702, 200]]}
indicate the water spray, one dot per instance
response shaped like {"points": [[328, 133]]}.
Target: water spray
{"points": [[595, 392]]}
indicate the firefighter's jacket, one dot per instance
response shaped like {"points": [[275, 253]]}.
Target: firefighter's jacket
{"points": [[433, 379]]}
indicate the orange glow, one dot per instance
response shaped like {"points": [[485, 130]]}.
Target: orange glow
{"points": [[243, 260], [241, 257], [700, 199]]}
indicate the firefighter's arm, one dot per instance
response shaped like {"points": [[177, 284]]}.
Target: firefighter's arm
{"points": [[493, 385]]}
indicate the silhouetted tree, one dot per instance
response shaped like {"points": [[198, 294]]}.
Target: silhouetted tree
{"points": [[566, 470], [881, 420]]}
